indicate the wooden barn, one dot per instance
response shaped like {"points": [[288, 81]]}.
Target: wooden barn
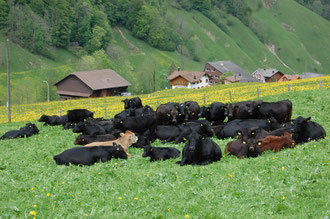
{"points": [[267, 75], [96, 83]]}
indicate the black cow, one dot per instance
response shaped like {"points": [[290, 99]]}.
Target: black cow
{"points": [[231, 128], [306, 130], [28, 130], [159, 153], [252, 132], [200, 150], [241, 110], [281, 110], [146, 110], [243, 148], [215, 113], [202, 127], [86, 139], [53, 120], [169, 114], [138, 124], [168, 133], [281, 131], [141, 142], [89, 128], [132, 103], [190, 110], [79, 115], [89, 155]]}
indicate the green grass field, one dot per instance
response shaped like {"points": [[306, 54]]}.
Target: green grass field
{"points": [[293, 183]]}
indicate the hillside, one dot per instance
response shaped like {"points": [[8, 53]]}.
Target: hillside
{"points": [[281, 34]]}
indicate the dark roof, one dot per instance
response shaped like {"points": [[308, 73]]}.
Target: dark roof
{"points": [[266, 72], [311, 75], [72, 93], [241, 74], [188, 75], [100, 79]]}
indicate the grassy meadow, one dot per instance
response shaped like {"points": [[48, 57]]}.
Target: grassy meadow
{"points": [[293, 183]]}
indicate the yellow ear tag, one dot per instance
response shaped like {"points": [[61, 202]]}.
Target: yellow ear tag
{"points": [[117, 149], [283, 125], [244, 142], [252, 133], [201, 124], [151, 149], [121, 121], [259, 143], [268, 121]]}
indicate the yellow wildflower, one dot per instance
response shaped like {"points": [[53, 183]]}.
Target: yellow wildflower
{"points": [[48, 194], [229, 175], [33, 213], [283, 168], [32, 188], [63, 183], [136, 198], [273, 158], [116, 164], [99, 173], [283, 197], [169, 210], [147, 174], [34, 206], [120, 198], [187, 216]]}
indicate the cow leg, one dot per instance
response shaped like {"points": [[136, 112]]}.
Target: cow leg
{"points": [[206, 162], [183, 161]]}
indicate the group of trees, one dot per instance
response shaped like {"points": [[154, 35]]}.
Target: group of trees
{"points": [[321, 7]]}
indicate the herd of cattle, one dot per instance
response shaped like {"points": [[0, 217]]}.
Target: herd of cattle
{"points": [[258, 126]]}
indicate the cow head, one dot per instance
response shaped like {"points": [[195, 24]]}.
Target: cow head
{"points": [[119, 152], [252, 144], [174, 113], [147, 151], [299, 125], [129, 137], [79, 127], [43, 118], [194, 141], [273, 124], [206, 128], [126, 103], [204, 111]]}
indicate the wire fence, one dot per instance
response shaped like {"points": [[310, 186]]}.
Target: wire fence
{"points": [[110, 106]]}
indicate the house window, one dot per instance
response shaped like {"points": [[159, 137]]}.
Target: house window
{"points": [[216, 76], [200, 81], [207, 69], [213, 69], [207, 80]]}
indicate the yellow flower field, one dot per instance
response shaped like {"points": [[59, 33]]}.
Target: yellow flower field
{"points": [[113, 105]]}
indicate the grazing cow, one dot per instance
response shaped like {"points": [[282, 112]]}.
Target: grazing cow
{"points": [[167, 132], [275, 143], [215, 113], [89, 128], [53, 120], [89, 155], [242, 148], [28, 130], [126, 140], [159, 153], [231, 128], [306, 130], [86, 139], [281, 110], [141, 142], [79, 115], [169, 114], [132, 103], [241, 110], [200, 150], [190, 110]]}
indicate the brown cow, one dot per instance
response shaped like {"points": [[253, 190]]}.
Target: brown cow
{"points": [[125, 140], [242, 149], [276, 143]]}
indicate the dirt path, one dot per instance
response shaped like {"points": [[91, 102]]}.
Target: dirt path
{"points": [[126, 41], [271, 48]]}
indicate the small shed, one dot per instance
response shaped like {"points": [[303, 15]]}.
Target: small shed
{"points": [[96, 83]]}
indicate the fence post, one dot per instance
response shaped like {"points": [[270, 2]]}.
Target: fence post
{"points": [[230, 97], [157, 103], [148, 95], [204, 99], [105, 111], [181, 100], [320, 83], [288, 87], [258, 92]]}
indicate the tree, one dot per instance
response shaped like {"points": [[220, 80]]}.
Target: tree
{"points": [[96, 42], [4, 11]]}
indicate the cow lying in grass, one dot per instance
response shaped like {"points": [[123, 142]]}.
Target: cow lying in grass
{"points": [[243, 148], [28, 130], [126, 140], [86, 139], [160, 153], [53, 120], [89, 155], [276, 143]]}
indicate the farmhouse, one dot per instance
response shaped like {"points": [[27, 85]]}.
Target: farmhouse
{"points": [[267, 75], [218, 68], [287, 77], [189, 79], [96, 83]]}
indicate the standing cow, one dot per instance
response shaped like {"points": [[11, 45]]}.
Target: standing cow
{"points": [[281, 110]]}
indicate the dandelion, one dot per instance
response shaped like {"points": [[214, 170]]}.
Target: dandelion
{"points": [[48, 195], [99, 173], [314, 146], [283, 168], [147, 174], [229, 175], [283, 197], [273, 158], [120, 198], [136, 198], [32, 188], [116, 164], [168, 210], [34, 206], [54, 201], [187, 216], [33, 213], [63, 183], [86, 215]]}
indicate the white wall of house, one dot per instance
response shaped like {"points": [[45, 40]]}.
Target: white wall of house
{"points": [[259, 77], [203, 82]]}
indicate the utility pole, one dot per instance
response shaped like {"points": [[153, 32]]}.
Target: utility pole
{"points": [[8, 83], [47, 90]]}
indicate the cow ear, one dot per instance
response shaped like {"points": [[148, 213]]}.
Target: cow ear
{"points": [[150, 148], [308, 119], [244, 142], [239, 133], [122, 134], [117, 149]]}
